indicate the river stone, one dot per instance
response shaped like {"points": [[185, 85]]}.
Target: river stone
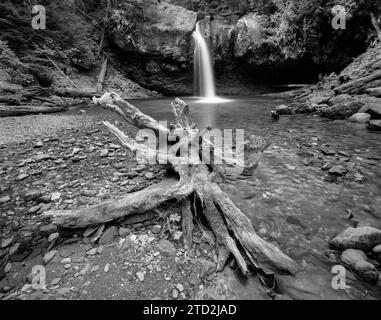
{"points": [[338, 170], [360, 118], [374, 125], [342, 110], [377, 249], [283, 109], [363, 238], [110, 234], [46, 231], [367, 271], [49, 256], [166, 247], [352, 256], [5, 199]]}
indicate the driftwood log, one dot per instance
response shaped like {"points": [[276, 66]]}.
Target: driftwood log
{"points": [[196, 184], [357, 85], [12, 111]]}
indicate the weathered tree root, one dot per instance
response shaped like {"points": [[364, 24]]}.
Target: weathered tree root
{"points": [[233, 231]]}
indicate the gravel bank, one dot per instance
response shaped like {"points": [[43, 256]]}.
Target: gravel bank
{"points": [[18, 129]]}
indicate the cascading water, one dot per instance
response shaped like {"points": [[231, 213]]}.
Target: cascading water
{"points": [[203, 70]]}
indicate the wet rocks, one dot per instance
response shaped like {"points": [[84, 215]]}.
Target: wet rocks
{"points": [[363, 238], [337, 170], [352, 256], [360, 118], [342, 110], [284, 109], [357, 261]]}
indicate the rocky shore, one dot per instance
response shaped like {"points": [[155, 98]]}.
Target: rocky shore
{"points": [[353, 94], [66, 161]]}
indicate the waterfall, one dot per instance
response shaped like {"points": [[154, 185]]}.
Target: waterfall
{"points": [[203, 70]]}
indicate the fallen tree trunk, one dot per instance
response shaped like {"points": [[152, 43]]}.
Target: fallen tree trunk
{"points": [[38, 92], [233, 231], [375, 92], [357, 85], [10, 111]]}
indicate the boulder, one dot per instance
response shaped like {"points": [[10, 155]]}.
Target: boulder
{"points": [[342, 110], [351, 256], [357, 261], [360, 117], [363, 238], [374, 109], [284, 109], [374, 125], [367, 271]]}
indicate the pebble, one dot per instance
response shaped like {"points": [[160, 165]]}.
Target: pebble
{"points": [[49, 256], [95, 268], [149, 175], [104, 153], [5, 199], [156, 229], [53, 236], [338, 170], [180, 287], [140, 276], [6, 243], [66, 260], [8, 267], [55, 281], [22, 176], [92, 252], [47, 230], [107, 267], [123, 232], [175, 294], [166, 247]]}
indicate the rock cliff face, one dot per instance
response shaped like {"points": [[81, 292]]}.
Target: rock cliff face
{"points": [[155, 41], [251, 41]]}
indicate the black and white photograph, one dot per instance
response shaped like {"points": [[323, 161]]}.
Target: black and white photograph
{"points": [[180, 152]]}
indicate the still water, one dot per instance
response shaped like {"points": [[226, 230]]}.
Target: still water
{"points": [[290, 202]]}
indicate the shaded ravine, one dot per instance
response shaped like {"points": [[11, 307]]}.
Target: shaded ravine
{"points": [[292, 201]]}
